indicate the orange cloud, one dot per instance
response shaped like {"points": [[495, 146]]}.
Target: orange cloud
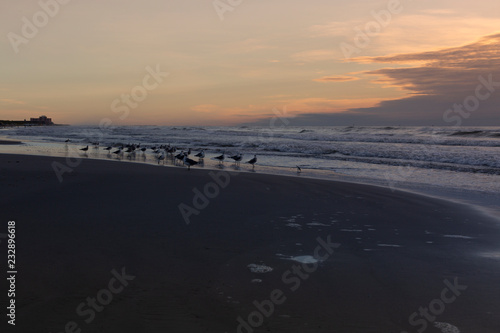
{"points": [[338, 78], [326, 105], [447, 86], [11, 101], [462, 56], [315, 55]]}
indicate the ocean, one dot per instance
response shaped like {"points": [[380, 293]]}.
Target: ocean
{"points": [[460, 164]]}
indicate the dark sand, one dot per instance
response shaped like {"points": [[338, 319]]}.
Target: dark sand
{"points": [[194, 278], [9, 142]]}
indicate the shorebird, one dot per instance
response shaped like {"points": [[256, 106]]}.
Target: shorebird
{"points": [[253, 161], [220, 158], [68, 140], [108, 148], [180, 156], [171, 150], [161, 157], [117, 151], [143, 149], [201, 154], [85, 149], [237, 158], [299, 170], [189, 162]]}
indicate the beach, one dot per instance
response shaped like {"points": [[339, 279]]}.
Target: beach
{"points": [[9, 142], [126, 247]]}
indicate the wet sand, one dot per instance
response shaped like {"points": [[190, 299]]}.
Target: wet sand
{"points": [[9, 142], [390, 253]]}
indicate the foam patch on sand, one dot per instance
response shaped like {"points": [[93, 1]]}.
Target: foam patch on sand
{"points": [[446, 327], [254, 268], [458, 236], [301, 259], [492, 255], [305, 259]]}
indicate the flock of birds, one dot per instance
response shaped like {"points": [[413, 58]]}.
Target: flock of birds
{"points": [[161, 153]]}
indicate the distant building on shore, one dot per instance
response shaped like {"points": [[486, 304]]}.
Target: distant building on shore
{"points": [[42, 120]]}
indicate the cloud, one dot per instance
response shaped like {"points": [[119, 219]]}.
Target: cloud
{"points": [[332, 29], [462, 56], [205, 108], [249, 45], [338, 78], [442, 79], [11, 101], [436, 82], [445, 72], [315, 55], [435, 28]]}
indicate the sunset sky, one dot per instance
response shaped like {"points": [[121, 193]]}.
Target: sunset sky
{"points": [[232, 62]]}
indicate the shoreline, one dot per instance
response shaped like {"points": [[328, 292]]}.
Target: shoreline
{"points": [[488, 208], [475, 190], [10, 142], [396, 247]]}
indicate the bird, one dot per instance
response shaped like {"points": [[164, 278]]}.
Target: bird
{"points": [[108, 148], [189, 162], [118, 151], [171, 150], [219, 158], [161, 158], [201, 154], [253, 161], [143, 149], [237, 158], [299, 170], [85, 149], [180, 156], [68, 140]]}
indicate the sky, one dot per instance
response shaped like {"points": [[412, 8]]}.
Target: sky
{"points": [[229, 62]]}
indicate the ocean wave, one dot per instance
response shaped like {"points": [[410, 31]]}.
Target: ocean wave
{"points": [[467, 150]]}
